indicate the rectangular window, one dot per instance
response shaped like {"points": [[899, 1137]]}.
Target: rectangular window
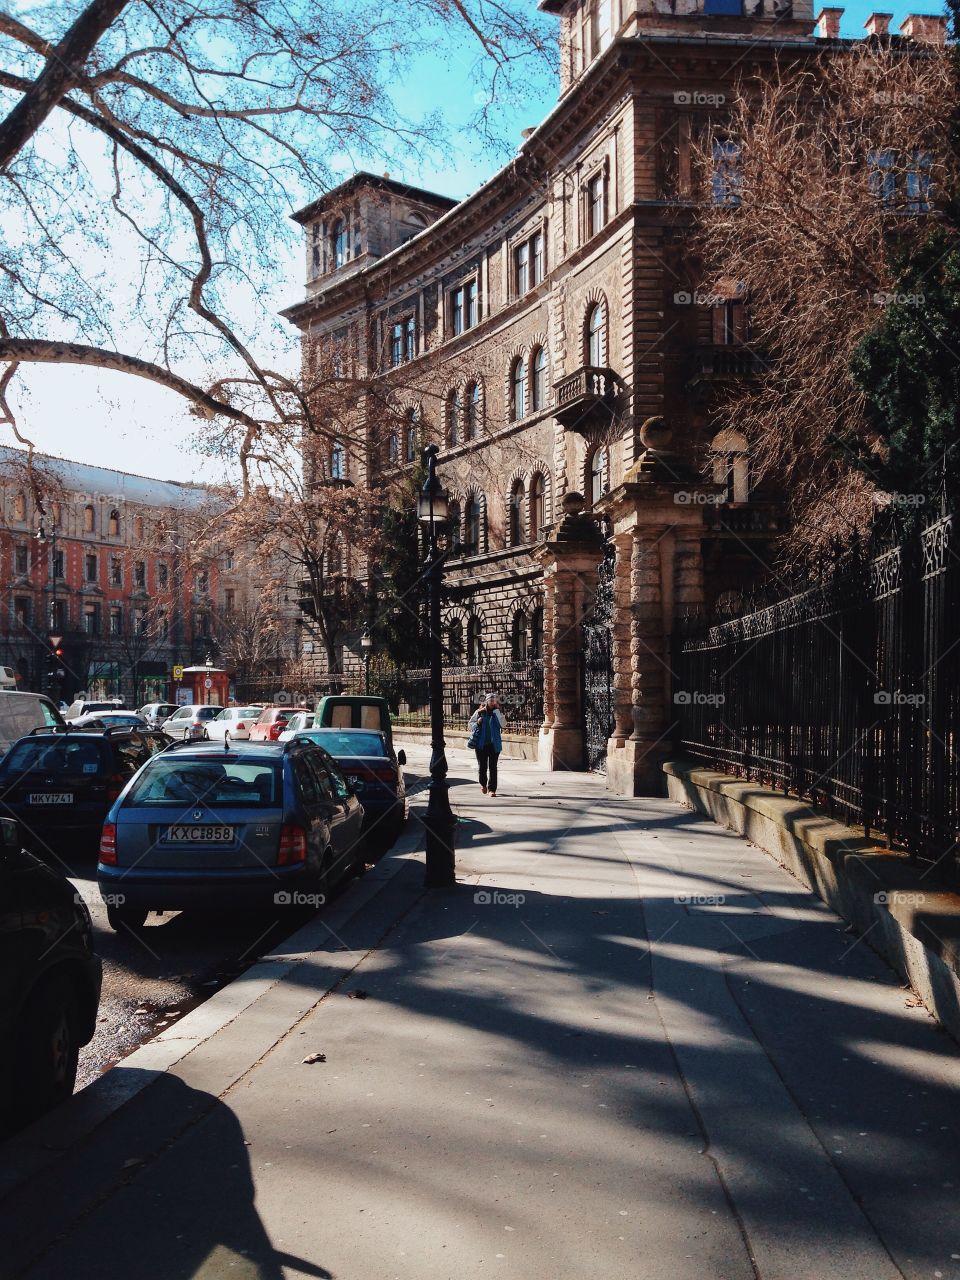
{"points": [[91, 619], [90, 568], [116, 572], [229, 600], [162, 576], [116, 622], [456, 311], [21, 611], [140, 574], [228, 561], [410, 338], [729, 324], [595, 204], [56, 564], [726, 179], [316, 262], [203, 582], [536, 259], [521, 268], [918, 182], [58, 615], [470, 318], [22, 558], [396, 344]]}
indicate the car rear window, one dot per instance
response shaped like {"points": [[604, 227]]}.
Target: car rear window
{"points": [[242, 713], [231, 783], [349, 744], [60, 755], [208, 713]]}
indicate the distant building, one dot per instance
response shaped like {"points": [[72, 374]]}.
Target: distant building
{"points": [[550, 333]]}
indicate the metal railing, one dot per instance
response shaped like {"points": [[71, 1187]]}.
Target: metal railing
{"points": [[518, 685], [847, 695]]}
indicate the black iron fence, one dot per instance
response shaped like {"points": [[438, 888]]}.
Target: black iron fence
{"points": [[519, 687], [847, 695]]}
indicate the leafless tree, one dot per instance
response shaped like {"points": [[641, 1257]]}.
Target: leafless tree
{"points": [[813, 183]]}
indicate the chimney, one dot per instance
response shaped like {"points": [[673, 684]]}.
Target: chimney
{"points": [[828, 24], [878, 24], [926, 28]]}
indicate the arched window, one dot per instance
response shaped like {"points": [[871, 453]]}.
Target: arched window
{"points": [[518, 388], [597, 335], [599, 474], [334, 561], [731, 464], [411, 434], [338, 461], [20, 507], [536, 633], [474, 642], [454, 410], [338, 242], [88, 519], [454, 532], [538, 378], [472, 525], [393, 446], [472, 423], [538, 504], [516, 514], [518, 637], [455, 642], [114, 523]]}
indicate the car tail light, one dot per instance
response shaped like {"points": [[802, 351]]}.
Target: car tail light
{"points": [[240, 724], [276, 730], [196, 724], [385, 775], [293, 845], [115, 784], [108, 844]]}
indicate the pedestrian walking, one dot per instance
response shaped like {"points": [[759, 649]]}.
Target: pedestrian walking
{"points": [[486, 726]]}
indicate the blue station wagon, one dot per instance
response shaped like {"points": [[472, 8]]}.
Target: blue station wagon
{"points": [[247, 825]]}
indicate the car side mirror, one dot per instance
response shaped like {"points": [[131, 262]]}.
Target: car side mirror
{"points": [[401, 757]]}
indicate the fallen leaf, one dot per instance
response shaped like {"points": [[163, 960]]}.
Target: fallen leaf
{"points": [[356, 995], [314, 1057]]}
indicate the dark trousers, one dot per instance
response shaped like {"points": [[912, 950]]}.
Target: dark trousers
{"points": [[487, 760]]}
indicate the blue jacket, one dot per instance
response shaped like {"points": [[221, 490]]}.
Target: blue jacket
{"points": [[489, 735]]}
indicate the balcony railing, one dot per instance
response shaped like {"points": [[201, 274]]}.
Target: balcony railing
{"points": [[763, 518], [585, 396], [728, 362]]}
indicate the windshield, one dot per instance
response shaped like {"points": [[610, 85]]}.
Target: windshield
{"points": [[354, 743], [47, 755], [230, 783]]}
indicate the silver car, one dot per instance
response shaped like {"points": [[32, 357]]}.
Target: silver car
{"points": [[189, 724]]}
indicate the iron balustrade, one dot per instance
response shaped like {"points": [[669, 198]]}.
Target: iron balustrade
{"points": [[846, 695], [518, 685]]}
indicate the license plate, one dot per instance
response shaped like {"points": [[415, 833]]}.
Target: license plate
{"points": [[50, 797], [184, 834]]}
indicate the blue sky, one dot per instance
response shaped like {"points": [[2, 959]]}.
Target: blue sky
{"points": [[118, 421]]}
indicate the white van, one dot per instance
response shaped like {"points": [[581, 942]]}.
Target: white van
{"points": [[21, 713], [8, 678]]}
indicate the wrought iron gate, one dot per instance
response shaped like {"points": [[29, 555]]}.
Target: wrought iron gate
{"points": [[597, 667]]}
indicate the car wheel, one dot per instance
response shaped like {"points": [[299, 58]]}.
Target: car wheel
{"points": [[205, 737], [121, 918], [226, 737], [47, 1046]]}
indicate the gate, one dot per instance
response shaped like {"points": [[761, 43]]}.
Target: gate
{"points": [[597, 668]]}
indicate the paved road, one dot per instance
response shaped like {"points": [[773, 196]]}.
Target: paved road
{"points": [[627, 1046]]}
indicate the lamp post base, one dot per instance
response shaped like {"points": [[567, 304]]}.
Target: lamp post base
{"points": [[440, 825]]}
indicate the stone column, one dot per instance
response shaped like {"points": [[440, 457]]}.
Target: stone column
{"points": [[570, 557], [621, 647]]}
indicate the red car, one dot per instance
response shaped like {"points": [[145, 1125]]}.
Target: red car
{"points": [[270, 724]]}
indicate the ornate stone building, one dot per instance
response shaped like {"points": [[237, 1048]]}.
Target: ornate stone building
{"points": [[550, 333]]}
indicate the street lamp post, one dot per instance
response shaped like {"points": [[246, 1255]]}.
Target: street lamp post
{"points": [[439, 822], [366, 644], [55, 653]]}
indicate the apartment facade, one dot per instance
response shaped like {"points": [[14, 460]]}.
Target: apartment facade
{"points": [[550, 333]]}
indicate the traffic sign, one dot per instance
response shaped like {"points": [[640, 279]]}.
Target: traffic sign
{"points": [[178, 672], [208, 683], [54, 641]]}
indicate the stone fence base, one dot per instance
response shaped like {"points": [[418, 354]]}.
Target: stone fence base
{"points": [[516, 746], [888, 899]]}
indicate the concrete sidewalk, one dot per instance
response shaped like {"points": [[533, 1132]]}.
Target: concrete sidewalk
{"points": [[626, 1045]]}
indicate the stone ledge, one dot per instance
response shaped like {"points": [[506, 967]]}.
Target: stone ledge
{"points": [[888, 899], [516, 746]]}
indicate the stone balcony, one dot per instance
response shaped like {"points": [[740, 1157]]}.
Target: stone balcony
{"points": [[720, 362], [745, 519], [585, 399]]}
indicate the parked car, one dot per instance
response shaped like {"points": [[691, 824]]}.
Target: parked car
{"points": [[83, 707], [232, 723], [8, 678], [49, 983], [156, 712], [21, 713], [109, 719], [189, 724], [270, 723], [299, 720], [353, 711], [253, 824], [368, 760], [58, 783]]}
